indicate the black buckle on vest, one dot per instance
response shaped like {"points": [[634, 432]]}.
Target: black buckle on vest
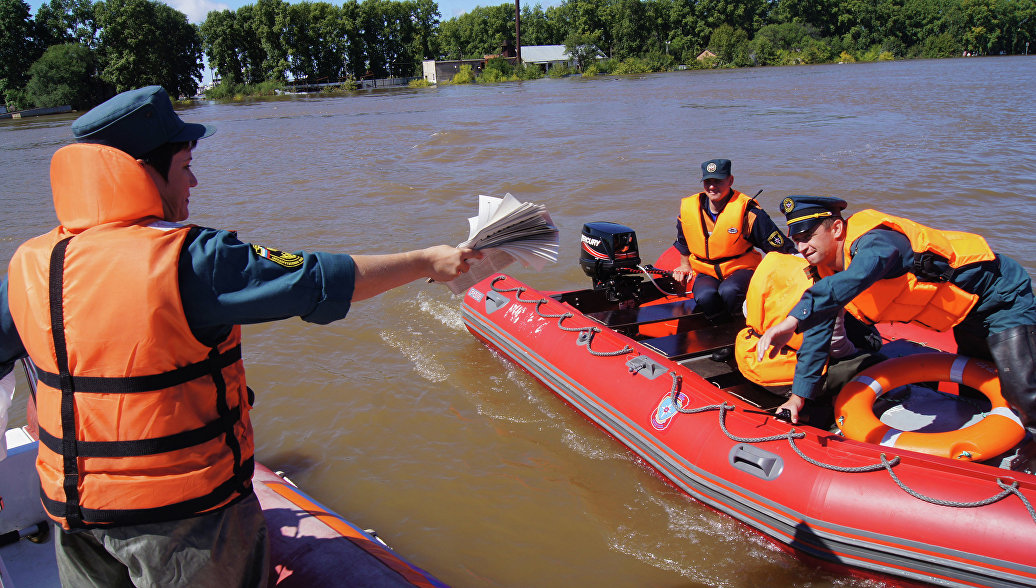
{"points": [[926, 270]]}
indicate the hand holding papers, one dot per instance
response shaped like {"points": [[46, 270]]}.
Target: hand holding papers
{"points": [[506, 230]]}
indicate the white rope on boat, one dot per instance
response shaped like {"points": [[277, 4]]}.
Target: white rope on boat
{"points": [[586, 335]]}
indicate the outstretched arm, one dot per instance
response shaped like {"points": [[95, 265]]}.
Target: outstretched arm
{"points": [[379, 273]]}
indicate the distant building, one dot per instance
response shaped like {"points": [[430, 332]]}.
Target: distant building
{"points": [[434, 71], [547, 56], [706, 55]]}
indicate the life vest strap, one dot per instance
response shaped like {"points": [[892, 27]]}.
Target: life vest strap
{"points": [[148, 383], [719, 260], [180, 510], [223, 424], [927, 267], [56, 286]]}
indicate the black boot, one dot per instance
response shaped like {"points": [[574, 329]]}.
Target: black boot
{"points": [[1025, 461], [723, 354], [1014, 352]]}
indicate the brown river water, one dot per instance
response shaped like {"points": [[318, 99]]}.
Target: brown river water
{"points": [[400, 420]]}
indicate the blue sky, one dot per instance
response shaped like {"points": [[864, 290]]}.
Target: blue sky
{"points": [[197, 9]]}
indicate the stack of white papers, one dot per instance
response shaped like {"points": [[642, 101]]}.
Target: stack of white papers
{"points": [[506, 230]]}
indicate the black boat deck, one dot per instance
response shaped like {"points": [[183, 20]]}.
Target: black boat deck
{"points": [[693, 348], [644, 315], [693, 344]]}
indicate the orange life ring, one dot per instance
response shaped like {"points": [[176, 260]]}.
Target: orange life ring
{"points": [[998, 431]]}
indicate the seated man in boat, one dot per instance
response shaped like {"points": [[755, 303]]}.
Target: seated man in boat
{"points": [[883, 268], [133, 321], [776, 286], [717, 233]]}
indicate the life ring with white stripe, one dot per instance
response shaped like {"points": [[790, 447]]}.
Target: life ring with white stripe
{"points": [[998, 431]]}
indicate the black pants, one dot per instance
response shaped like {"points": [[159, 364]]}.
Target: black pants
{"points": [[820, 411], [719, 299]]}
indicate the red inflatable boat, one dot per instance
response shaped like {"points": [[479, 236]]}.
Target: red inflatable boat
{"points": [[638, 364]]}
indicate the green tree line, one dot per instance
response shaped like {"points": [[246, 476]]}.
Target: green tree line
{"points": [[273, 40], [752, 32], [80, 52]]}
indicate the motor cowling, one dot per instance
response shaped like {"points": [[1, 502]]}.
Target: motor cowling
{"points": [[609, 255]]}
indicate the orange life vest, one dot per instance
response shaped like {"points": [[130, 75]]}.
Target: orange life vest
{"points": [[776, 287], [718, 248], [139, 421], [930, 301]]}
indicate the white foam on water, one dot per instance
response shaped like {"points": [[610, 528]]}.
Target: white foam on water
{"points": [[598, 448], [628, 546], [445, 311], [494, 413], [415, 349]]}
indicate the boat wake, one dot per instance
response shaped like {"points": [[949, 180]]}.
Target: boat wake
{"points": [[423, 360], [411, 338], [683, 549], [493, 399], [592, 447], [703, 548], [627, 546], [445, 312]]}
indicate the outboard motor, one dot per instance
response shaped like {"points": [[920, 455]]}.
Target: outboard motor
{"points": [[609, 255]]}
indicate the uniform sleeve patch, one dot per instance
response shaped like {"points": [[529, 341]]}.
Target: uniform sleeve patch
{"points": [[775, 239], [287, 260]]}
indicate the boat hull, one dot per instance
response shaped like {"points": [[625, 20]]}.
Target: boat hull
{"points": [[795, 484], [310, 545]]}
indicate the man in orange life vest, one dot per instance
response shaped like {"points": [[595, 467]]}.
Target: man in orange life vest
{"points": [[133, 320], [717, 233], [883, 268]]}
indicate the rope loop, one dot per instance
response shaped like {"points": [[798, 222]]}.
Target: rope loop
{"points": [[827, 466], [570, 329], [504, 290], [674, 396], [518, 297], [623, 351], [1007, 491], [543, 301], [1013, 489], [723, 408]]}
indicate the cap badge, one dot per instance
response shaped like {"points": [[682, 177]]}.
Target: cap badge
{"points": [[710, 168], [787, 205]]}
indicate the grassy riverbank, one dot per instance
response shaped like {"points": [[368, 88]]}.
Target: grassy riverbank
{"points": [[499, 70]]}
